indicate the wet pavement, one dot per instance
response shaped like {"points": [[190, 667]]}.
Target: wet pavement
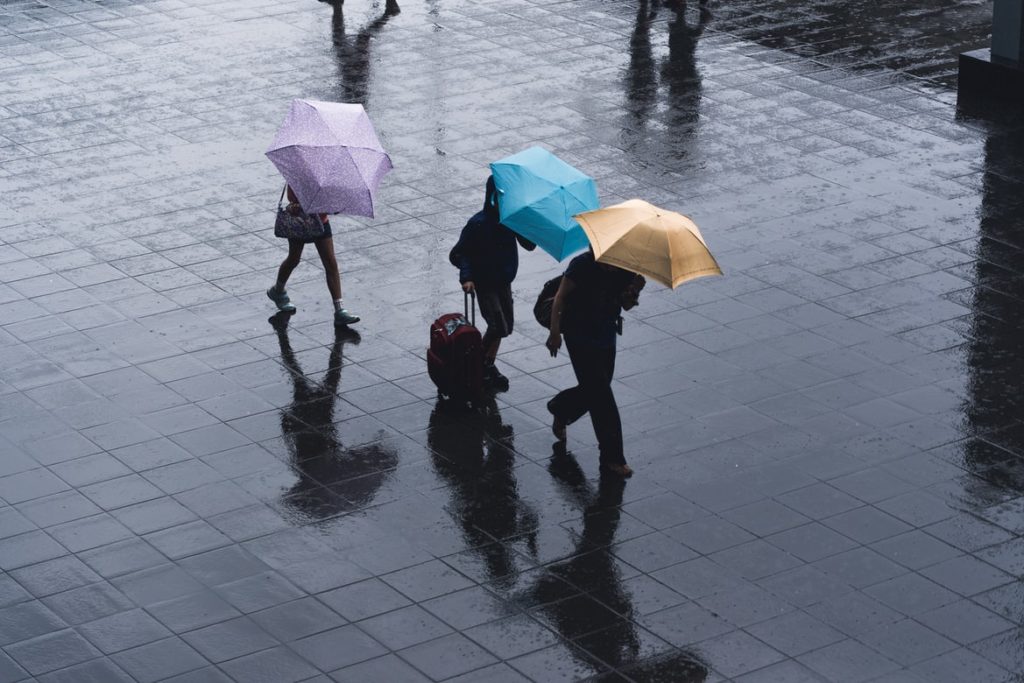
{"points": [[829, 440]]}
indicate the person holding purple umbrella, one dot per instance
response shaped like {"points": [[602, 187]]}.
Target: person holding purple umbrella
{"points": [[325, 248], [332, 162]]}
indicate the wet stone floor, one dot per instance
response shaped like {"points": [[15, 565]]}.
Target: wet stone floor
{"points": [[829, 440]]}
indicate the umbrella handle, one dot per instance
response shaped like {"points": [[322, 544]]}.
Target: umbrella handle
{"points": [[280, 199], [466, 297]]}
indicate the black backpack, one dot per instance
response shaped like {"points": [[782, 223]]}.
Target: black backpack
{"points": [[546, 299]]}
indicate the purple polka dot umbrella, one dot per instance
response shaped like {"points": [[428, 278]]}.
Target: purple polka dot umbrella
{"points": [[330, 156]]}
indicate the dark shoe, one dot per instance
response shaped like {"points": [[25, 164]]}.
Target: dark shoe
{"points": [[557, 424], [284, 304], [623, 471], [558, 429], [494, 379], [343, 318]]}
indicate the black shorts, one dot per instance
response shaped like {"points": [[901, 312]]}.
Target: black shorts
{"points": [[327, 233], [496, 308]]}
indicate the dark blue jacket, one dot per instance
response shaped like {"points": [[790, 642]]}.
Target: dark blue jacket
{"points": [[486, 252]]}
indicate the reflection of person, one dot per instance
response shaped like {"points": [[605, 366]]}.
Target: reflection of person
{"points": [[602, 624], [488, 260], [325, 248], [332, 479], [354, 55], [641, 76], [473, 451], [680, 75], [587, 309]]}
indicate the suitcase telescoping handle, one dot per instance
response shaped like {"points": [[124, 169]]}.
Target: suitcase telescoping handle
{"points": [[467, 296]]}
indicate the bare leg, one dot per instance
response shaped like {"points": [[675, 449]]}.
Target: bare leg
{"points": [[292, 260], [325, 247]]}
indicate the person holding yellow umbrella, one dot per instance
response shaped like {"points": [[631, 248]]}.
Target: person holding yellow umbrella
{"points": [[627, 242]]}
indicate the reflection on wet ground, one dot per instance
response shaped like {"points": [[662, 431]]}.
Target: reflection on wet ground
{"points": [[829, 441]]}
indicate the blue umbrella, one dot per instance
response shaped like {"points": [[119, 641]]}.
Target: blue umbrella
{"points": [[538, 196]]}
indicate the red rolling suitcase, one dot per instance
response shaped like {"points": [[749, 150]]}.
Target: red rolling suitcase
{"points": [[455, 359]]}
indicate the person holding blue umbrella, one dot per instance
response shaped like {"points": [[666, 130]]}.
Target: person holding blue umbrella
{"points": [[539, 196], [487, 257]]}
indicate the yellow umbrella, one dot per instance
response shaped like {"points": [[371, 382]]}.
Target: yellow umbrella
{"points": [[639, 237]]}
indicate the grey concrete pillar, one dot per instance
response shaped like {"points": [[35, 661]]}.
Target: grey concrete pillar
{"points": [[996, 71], [1008, 31]]}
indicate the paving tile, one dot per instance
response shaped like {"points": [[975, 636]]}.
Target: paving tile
{"points": [[122, 631], [739, 653], [848, 660], [229, 639], [192, 611], [153, 515], [795, 633], [709, 534], [467, 608], [88, 603], [961, 664], [965, 622], [915, 549], [811, 542], [860, 567], [404, 627], [788, 670], [556, 663], [338, 648], [52, 651], [911, 594], [966, 575], [29, 548], [908, 642], [27, 620], [448, 656], [686, 624], [95, 671], [297, 619], [23, 486], [54, 576], [512, 636], [278, 665], [159, 660], [260, 591]]}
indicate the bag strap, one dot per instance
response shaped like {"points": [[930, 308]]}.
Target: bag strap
{"points": [[280, 199]]}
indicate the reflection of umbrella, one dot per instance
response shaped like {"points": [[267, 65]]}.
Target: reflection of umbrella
{"points": [[642, 238], [539, 194], [330, 156]]}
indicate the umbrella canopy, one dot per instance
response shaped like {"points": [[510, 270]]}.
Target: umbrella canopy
{"points": [[330, 156], [538, 196], [662, 245]]}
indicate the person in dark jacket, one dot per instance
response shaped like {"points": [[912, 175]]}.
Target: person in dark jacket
{"points": [[587, 310], [488, 260]]}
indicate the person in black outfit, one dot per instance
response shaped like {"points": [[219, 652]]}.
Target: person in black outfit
{"points": [[587, 309], [488, 260]]}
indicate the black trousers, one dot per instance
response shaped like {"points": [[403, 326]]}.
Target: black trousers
{"points": [[594, 367]]}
